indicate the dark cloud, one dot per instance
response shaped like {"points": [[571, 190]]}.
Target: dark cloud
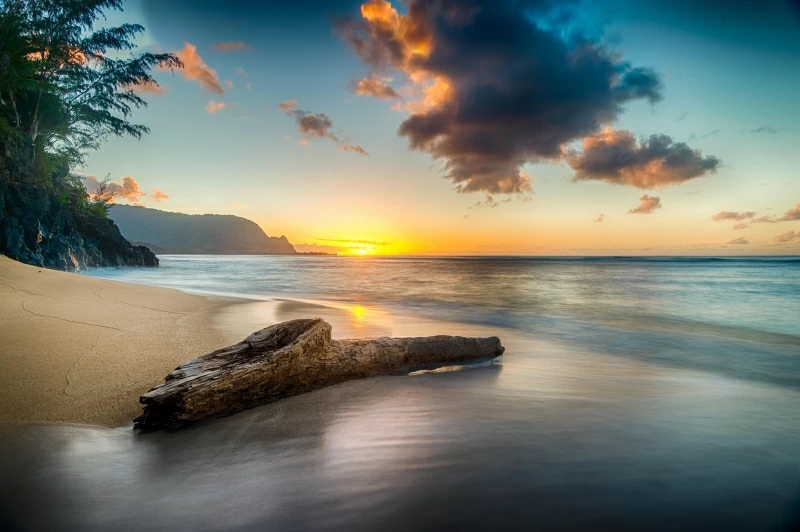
{"points": [[495, 89], [764, 129], [316, 125], [616, 158], [740, 226], [729, 215], [739, 241], [647, 204], [600, 219]]}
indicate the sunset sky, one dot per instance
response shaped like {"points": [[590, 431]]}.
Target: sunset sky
{"points": [[475, 127]]}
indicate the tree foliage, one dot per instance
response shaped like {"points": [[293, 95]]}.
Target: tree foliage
{"points": [[67, 84]]}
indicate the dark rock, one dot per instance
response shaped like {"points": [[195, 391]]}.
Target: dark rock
{"points": [[36, 228]]}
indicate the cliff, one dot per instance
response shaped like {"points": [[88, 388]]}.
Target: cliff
{"points": [[36, 228], [213, 234]]}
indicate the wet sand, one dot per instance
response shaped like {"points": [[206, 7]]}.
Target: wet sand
{"points": [[81, 349]]}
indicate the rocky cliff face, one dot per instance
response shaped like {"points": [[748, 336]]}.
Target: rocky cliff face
{"points": [[35, 228]]}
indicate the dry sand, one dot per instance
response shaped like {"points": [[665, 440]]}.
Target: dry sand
{"points": [[81, 349]]}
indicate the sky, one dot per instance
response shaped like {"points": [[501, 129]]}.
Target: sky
{"points": [[475, 127]]}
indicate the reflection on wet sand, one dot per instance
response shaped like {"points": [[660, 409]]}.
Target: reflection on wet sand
{"points": [[553, 438], [348, 321]]}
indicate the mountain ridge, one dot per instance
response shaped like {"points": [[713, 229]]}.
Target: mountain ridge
{"points": [[213, 234]]}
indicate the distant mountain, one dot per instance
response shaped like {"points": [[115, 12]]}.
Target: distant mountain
{"points": [[212, 234]]}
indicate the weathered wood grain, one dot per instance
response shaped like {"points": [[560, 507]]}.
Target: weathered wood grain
{"points": [[288, 359]]}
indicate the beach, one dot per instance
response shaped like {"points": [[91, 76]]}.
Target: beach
{"points": [[80, 349], [632, 395]]}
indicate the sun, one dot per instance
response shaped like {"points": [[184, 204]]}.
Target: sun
{"points": [[362, 251]]}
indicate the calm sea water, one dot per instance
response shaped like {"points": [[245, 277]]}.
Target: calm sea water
{"points": [[655, 394]]}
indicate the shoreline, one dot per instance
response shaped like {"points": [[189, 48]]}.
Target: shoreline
{"points": [[81, 349]]}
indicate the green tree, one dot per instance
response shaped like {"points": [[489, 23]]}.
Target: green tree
{"points": [[66, 85]]}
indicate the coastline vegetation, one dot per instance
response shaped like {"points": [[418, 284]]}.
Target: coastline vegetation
{"points": [[66, 84]]}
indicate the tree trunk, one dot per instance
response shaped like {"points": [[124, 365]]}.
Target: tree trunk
{"points": [[288, 359]]}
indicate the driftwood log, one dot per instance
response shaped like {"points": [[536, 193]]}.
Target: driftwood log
{"points": [[288, 359]]}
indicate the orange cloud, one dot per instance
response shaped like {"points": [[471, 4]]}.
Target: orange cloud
{"points": [[232, 46], [791, 215], [288, 105], [600, 219], [158, 195], [740, 226], [375, 86], [127, 188], [195, 69], [647, 204], [729, 215], [614, 156], [213, 107], [791, 236], [355, 148], [764, 220]]}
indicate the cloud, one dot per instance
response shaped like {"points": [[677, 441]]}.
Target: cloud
{"points": [[712, 133], [494, 84], [352, 148], [288, 106], [375, 86], [242, 72], [229, 83], [791, 215], [739, 241], [647, 204], [214, 107], [764, 129], [150, 87], [317, 125], [601, 218], [791, 236], [195, 69], [616, 158], [764, 220], [232, 46], [248, 85], [740, 225], [127, 188], [489, 202], [158, 195], [729, 215]]}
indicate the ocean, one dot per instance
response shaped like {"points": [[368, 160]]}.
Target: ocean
{"points": [[634, 393]]}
